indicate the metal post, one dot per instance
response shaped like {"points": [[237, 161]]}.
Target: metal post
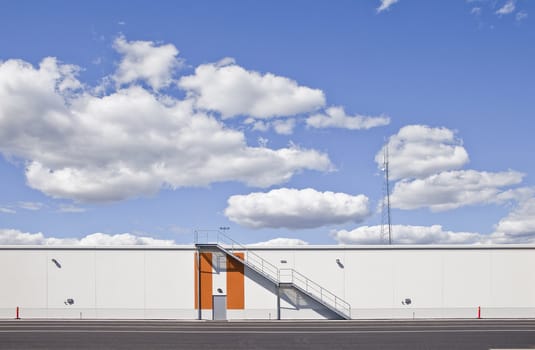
{"points": [[278, 302], [199, 284]]}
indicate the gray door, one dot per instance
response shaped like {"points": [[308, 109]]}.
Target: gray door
{"points": [[220, 307]]}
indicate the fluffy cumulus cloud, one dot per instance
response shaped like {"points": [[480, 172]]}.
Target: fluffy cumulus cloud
{"points": [[335, 117], [406, 234], [145, 61], [385, 5], [16, 237], [129, 142], [296, 209], [519, 225], [280, 242], [517, 228], [231, 90], [453, 189], [420, 150]]}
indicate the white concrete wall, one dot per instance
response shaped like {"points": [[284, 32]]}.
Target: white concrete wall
{"points": [[441, 283], [106, 283], [219, 273], [159, 283]]}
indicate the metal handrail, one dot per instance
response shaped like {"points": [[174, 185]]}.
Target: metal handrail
{"points": [[261, 265], [252, 259], [314, 288]]}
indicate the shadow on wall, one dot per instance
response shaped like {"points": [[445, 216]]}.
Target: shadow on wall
{"points": [[300, 302], [297, 303]]}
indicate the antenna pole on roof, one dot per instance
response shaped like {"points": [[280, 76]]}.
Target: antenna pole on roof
{"points": [[386, 224]]}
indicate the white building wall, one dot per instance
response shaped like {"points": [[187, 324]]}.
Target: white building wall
{"points": [[74, 278], [169, 281], [442, 282], [512, 284], [24, 282], [103, 283], [260, 297], [219, 271]]}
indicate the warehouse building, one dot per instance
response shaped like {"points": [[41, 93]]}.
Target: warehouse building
{"points": [[220, 279]]}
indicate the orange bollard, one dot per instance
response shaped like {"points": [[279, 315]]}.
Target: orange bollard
{"points": [[479, 312]]}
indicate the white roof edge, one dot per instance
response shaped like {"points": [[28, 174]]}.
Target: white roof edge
{"points": [[397, 246], [297, 247], [110, 247]]}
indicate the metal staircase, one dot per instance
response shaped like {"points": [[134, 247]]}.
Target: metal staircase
{"points": [[216, 240]]}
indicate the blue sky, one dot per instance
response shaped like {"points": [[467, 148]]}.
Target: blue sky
{"points": [[137, 122]]}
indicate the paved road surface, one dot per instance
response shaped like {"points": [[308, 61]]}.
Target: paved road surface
{"points": [[310, 335]]}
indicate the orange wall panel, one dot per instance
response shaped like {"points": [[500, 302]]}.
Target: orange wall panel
{"points": [[206, 281], [235, 283]]}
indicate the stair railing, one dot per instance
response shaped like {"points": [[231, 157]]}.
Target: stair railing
{"points": [[251, 259], [315, 289], [261, 265]]}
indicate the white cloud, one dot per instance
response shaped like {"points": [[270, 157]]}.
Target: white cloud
{"points": [[284, 126], [507, 8], [127, 143], [406, 234], [385, 5], [145, 61], [69, 208], [233, 91], [476, 11], [30, 205], [280, 242], [335, 117], [280, 126], [516, 228], [522, 15], [454, 189], [16, 237], [261, 126], [519, 225], [97, 239], [296, 209], [262, 141], [7, 210], [420, 150]]}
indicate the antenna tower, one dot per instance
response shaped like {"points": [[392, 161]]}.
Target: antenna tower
{"points": [[386, 225]]}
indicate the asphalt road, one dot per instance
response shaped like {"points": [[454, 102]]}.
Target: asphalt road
{"points": [[310, 335]]}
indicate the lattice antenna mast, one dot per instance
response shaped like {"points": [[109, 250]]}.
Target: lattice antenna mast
{"points": [[386, 224]]}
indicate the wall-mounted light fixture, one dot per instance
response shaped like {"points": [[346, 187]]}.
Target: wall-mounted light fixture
{"points": [[339, 263], [406, 301], [284, 261], [69, 301], [58, 265], [219, 290]]}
